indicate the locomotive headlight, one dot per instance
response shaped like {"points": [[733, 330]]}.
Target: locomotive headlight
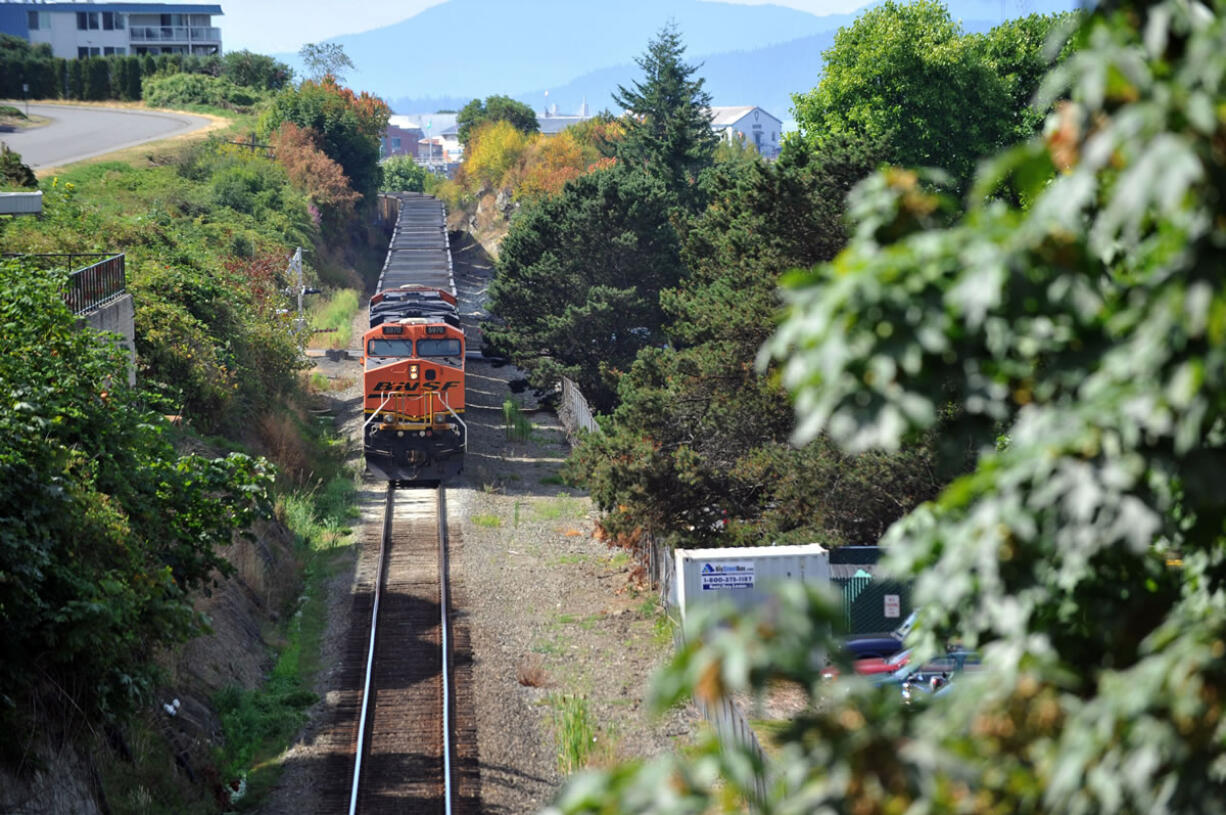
{"points": [[412, 372], [400, 434]]}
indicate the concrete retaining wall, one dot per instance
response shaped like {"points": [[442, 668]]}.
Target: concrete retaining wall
{"points": [[117, 317]]}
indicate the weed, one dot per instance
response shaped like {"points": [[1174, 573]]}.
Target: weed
{"points": [[555, 480], [574, 731], [562, 507], [531, 673], [663, 629], [518, 504], [619, 561], [518, 426], [488, 520]]}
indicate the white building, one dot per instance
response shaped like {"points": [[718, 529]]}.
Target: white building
{"points": [[750, 124], [102, 29]]}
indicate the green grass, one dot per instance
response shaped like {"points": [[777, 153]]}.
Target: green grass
{"points": [[518, 426], [569, 560], [258, 725], [574, 730], [335, 315], [487, 520], [580, 740], [620, 560], [560, 508]]}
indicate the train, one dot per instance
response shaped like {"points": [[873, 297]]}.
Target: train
{"points": [[413, 354]]}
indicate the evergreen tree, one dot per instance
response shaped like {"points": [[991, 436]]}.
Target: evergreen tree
{"points": [[579, 279], [669, 129]]}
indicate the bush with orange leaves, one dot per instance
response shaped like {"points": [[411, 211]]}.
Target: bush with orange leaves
{"points": [[310, 170]]}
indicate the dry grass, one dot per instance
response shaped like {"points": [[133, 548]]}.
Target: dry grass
{"points": [[282, 439], [531, 673]]}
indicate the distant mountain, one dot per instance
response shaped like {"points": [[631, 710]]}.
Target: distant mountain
{"points": [[461, 49], [765, 77], [474, 48]]}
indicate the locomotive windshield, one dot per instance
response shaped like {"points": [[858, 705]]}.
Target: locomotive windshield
{"points": [[438, 348], [390, 348]]}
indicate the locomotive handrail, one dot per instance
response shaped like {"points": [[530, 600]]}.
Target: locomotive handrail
{"points": [[375, 415], [463, 424]]}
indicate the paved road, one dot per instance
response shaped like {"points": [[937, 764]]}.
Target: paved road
{"points": [[77, 133]]}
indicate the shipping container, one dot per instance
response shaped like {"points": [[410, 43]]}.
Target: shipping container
{"points": [[744, 577]]}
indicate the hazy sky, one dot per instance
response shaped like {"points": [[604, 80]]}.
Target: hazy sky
{"points": [[275, 26]]}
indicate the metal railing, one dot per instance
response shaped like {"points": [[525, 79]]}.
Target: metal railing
{"points": [[148, 33], [96, 285], [574, 411]]}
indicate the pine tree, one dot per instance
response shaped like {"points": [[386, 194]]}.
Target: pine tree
{"points": [[669, 129]]}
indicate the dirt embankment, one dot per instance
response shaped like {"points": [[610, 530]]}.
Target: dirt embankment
{"points": [[174, 744]]}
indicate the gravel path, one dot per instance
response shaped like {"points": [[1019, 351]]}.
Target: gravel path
{"points": [[551, 610]]}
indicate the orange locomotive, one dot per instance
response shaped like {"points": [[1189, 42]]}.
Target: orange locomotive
{"points": [[413, 354]]}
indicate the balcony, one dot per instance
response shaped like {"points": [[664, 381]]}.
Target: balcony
{"points": [[176, 34]]}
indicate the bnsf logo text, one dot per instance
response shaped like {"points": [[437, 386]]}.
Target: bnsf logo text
{"points": [[382, 388]]}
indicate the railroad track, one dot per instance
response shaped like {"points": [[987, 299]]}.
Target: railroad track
{"points": [[398, 732]]}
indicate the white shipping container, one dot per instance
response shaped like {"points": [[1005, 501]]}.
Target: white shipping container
{"points": [[744, 577], [21, 203]]}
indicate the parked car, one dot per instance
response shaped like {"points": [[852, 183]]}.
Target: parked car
{"points": [[935, 677], [874, 667], [880, 647]]}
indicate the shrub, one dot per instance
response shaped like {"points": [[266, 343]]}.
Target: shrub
{"points": [[177, 90]]}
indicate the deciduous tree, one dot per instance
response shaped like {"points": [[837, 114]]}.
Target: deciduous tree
{"points": [[403, 174], [325, 59], [495, 109], [906, 76]]}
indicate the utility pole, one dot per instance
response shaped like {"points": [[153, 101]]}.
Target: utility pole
{"points": [[295, 268]]}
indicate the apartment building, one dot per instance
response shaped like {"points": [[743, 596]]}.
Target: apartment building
{"points": [[103, 29]]}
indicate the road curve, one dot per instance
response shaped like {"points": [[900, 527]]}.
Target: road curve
{"points": [[77, 133]]}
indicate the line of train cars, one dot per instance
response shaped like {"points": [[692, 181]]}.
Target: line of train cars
{"points": [[413, 354]]}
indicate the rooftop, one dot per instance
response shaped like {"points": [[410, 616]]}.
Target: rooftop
{"points": [[724, 116], [129, 8]]}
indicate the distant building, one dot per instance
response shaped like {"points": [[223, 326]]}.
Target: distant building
{"points": [[400, 140], [103, 29], [749, 124], [552, 124], [431, 138]]}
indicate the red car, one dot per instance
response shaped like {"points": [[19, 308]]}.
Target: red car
{"points": [[873, 666]]}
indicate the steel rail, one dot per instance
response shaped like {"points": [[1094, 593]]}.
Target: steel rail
{"points": [[446, 629], [388, 511]]}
